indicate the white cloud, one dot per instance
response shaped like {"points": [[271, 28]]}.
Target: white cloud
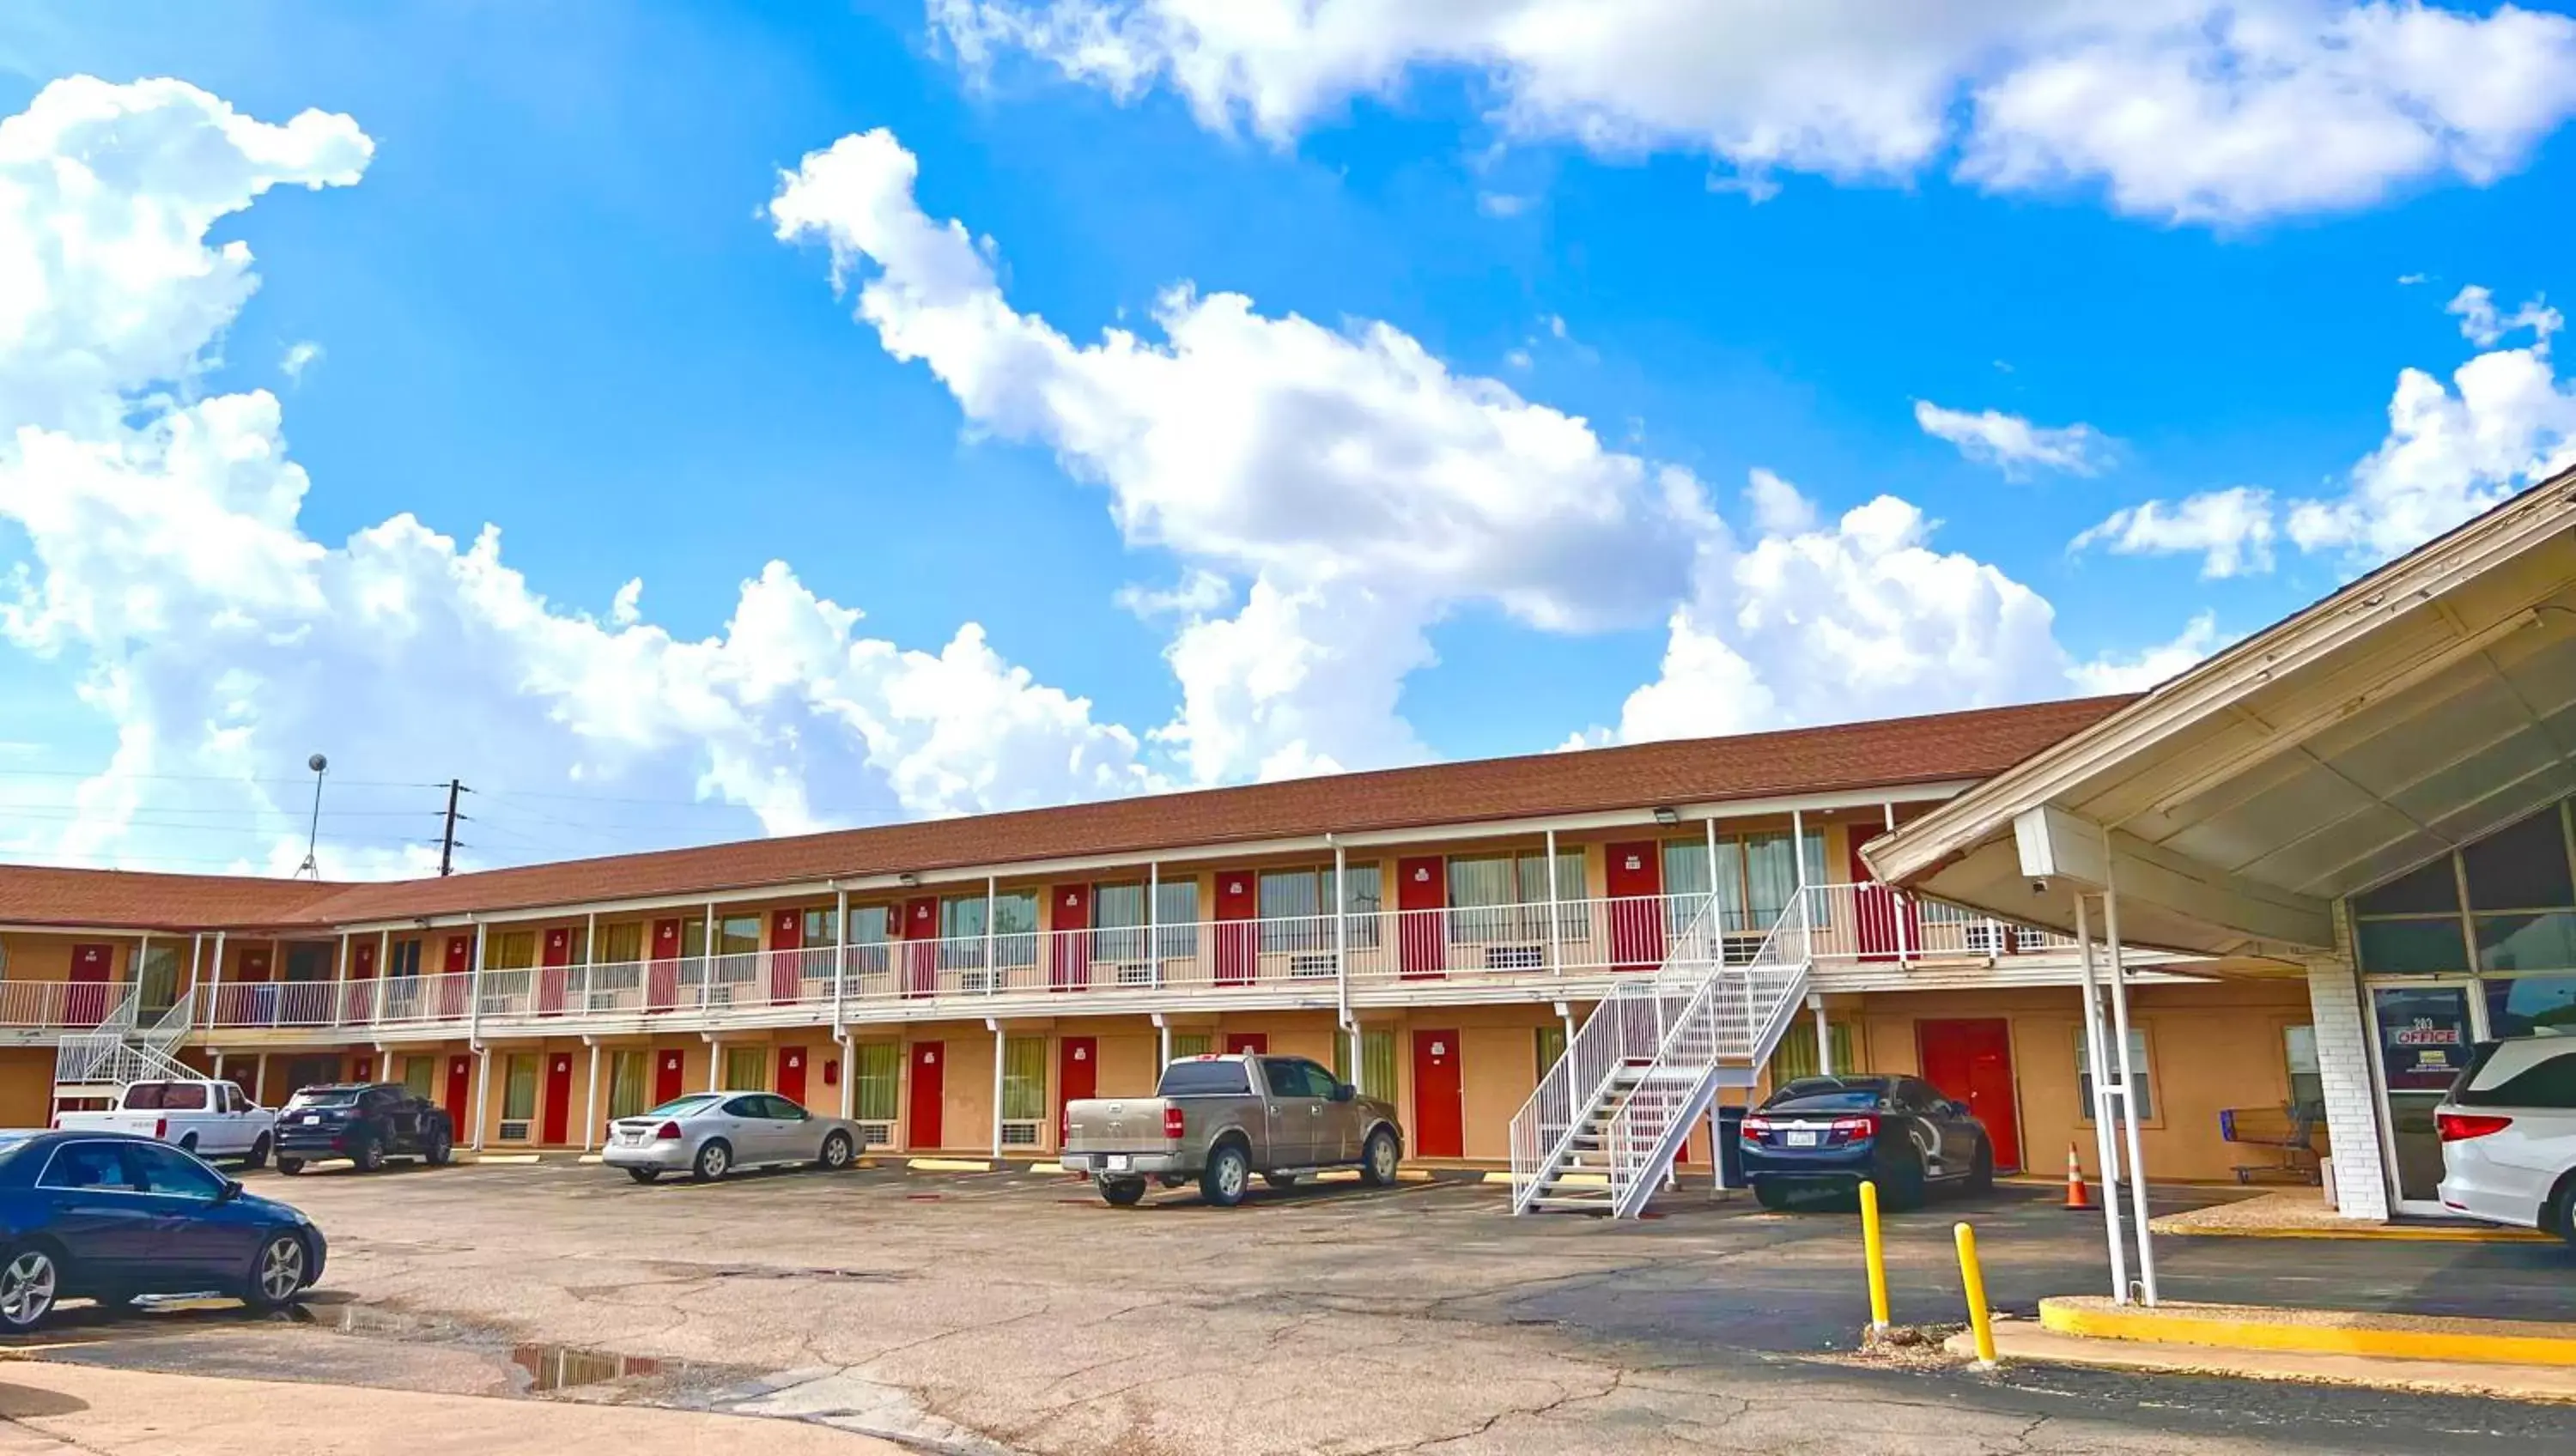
{"points": [[299, 357], [2504, 421], [2182, 110], [1196, 594], [2014, 445], [167, 559], [2161, 663], [2231, 529]]}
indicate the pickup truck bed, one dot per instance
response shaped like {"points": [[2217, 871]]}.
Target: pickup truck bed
{"points": [[1218, 1120]]}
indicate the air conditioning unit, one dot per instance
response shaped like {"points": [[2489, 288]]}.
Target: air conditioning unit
{"points": [[514, 1132], [975, 979], [1516, 958], [1019, 1134], [877, 1134], [1311, 965], [1134, 973]]}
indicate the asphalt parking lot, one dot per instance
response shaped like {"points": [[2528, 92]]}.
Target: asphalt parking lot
{"points": [[1013, 1311]]}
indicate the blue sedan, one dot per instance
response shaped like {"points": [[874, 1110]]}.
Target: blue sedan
{"points": [[112, 1217], [1831, 1132]]}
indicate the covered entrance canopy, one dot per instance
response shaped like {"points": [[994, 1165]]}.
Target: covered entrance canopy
{"points": [[2232, 810]]}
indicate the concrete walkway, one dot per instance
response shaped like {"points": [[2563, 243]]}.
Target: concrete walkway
{"points": [[56, 1410]]}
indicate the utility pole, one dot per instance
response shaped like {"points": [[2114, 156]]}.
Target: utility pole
{"points": [[447, 841]]}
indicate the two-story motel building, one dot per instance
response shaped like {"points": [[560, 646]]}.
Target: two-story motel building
{"points": [[1433, 932]]}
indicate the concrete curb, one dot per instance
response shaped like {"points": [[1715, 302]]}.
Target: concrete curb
{"points": [[2020, 1342], [2395, 1232], [2316, 1332]]}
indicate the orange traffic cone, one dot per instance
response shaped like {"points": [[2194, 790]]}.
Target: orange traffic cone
{"points": [[2077, 1195]]}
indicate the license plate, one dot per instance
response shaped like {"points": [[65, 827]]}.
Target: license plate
{"points": [[1801, 1139], [310, 1117], [1117, 1162]]}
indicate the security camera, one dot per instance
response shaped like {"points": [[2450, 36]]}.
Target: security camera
{"points": [[2039, 887]]}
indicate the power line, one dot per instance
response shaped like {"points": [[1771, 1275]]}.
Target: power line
{"points": [[110, 773]]}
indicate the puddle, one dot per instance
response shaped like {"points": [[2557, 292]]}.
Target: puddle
{"points": [[550, 1368]]}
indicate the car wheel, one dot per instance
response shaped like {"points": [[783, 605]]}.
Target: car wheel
{"points": [[258, 1153], [188, 1144], [277, 1273], [1281, 1181], [1771, 1196], [1228, 1175], [836, 1153], [290, 1166], [1981, 1169], [2567, 1208], [1378, 1158], [439, 1149], [715, 1159], [1902, 1188], [368, 1155], [28, 1284], [1121, 1192], [643, 1175]]}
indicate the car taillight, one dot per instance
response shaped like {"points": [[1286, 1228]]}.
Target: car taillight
{"points": [[2461, 1126], [161, 1127], [1174, 1124], [668, 1132], [1755, 1128], [1847, 1128]]}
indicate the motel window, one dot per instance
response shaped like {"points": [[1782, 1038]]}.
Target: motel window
{"points": [[2138, 1062], [1753, 876], [1176, 916], [821, 927], [1190, 1044], [1795, 1057], [738, 935], [1551, 1047], [1023, 1079], [746, 1069], [621, 945], [519, 1087], [1014, 929], [1296, 908], [1118, 920], [405, 960], [1504, 897], [514, 950], [420, 1074], [869, 928], [626, 1083], [2299, 1052], [1377, 1063], [880, 1064]]}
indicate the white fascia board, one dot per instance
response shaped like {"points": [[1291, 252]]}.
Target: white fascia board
{"points": [[2412, 582]]}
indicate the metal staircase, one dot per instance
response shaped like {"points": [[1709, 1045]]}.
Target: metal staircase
{"points": [[103, 1062], [1603, 1129]]}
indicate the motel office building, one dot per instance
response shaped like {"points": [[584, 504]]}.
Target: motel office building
{"points": [[1433, 933]]}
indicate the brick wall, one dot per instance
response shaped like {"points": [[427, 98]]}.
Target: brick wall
{"points": [[2343, 1065]]}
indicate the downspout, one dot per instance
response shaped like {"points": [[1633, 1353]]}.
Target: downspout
{"points": [[840, 976]]}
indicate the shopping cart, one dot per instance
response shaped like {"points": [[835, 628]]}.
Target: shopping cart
{"points": [[2289, 1130]]}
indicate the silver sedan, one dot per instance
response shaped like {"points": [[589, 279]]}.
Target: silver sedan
{"points": [[710, 1134]]}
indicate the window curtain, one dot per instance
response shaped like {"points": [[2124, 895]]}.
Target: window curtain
{"points": [[1023, 1078], [1796, 1054], [519, 1088], [1118, 922], [626, 1083], [746, 1069], [880, 1063], [1176, 917]]}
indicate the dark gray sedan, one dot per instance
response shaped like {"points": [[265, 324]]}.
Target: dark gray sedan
{"points": [[709, 1134]]}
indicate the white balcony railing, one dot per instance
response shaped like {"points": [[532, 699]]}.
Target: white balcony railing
{"points": [[1382, 949], [60, 1005]]}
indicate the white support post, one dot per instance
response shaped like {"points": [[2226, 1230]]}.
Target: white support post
{"points": [[715, 1060], [1806, 910], [1824, 1034], [474, 1005], [591, 1121], [219, 1066], [384, 970], [994, 1025], [1555, 947], [1341, 937], [707, 966], [1716, 925], [214, 983], [2128, 1090], [849, 1071], [1163, 1035], [840, 975], [589, 960], [482, 1093], [143, 957], [1896, 898], [1154, 921], [2106, 1148]]}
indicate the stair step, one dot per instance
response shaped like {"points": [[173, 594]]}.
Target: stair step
{"points": [[1567, 1203]]}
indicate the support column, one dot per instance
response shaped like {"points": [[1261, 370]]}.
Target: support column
{"points": [[2352, 1102], [715, 1061], [1154, 920], [1163, 1034], [707, 972], [849, 1072], [482, 1092], [841, 977], [992, 983], [994, 1025], [1824, 1034], [474, 1003], [2128, 1091], [1896, 898], [591, 1121], [384, 977], [1716, 922], [2106, 1148]]}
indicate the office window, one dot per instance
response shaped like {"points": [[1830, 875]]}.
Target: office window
{"points": [[2138, 1062], [2522, 867], [880, 1065], [519, 1087], [1023, 1078], [746, 1069], [627, 1087]]}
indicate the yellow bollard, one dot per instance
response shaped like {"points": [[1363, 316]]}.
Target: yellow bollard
{"points": [[1980, 1318], [1874, 1252]]}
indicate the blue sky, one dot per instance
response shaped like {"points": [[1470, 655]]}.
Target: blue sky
{"points": [[556, 303]]}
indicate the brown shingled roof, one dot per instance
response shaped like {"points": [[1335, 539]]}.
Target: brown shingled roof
{"points": [[1884, 754]]}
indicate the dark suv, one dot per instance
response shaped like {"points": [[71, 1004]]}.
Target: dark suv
{"points": [[364, 1122]]}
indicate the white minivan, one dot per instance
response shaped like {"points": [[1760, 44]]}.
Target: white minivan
{"points": [[2508, 1133]]}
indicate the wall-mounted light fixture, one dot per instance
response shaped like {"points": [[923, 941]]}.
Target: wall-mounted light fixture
{"points": [[1667, 814]]}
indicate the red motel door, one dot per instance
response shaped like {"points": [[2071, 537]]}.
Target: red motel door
{"points": [[929, 1094], [86, 1002], [451, 989], [1439, 1128], [662, 980], [1247, 1043], [786, 967], [791, 1074], [921, 950], [1421, 927], [1971, 1062], [1077, 1073], [558, 1123], [1068, 946], [1886, 922], [460, 1084], [1238, 940], [551, 973], [666, 1077], [1636, 880], [253, 966]]}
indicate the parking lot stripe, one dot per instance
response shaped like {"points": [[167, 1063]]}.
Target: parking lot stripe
{"points": [[948, 1165]]}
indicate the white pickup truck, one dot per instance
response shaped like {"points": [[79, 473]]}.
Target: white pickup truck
{"points": [[208, 1118]]}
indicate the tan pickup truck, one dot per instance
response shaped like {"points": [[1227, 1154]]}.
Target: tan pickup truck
{"points": [[1221, 1119]]}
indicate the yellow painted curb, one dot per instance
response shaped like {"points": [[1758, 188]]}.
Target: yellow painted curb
{"points": [[2316, 1332], [947, 1165], [503, 1159], [2397, 1232], [590, 1158]]}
